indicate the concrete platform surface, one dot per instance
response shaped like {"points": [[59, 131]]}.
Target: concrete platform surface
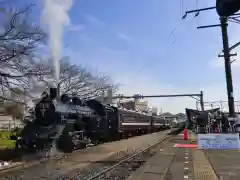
{"points": [[172, 163], [226, 163]]}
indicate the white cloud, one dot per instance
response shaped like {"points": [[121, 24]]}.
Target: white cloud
{"points": [[124, 36], [94, 20], [76, 27], [144, 85]]}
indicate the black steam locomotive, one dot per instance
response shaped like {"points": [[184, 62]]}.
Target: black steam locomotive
{"points": [[69, 123]]}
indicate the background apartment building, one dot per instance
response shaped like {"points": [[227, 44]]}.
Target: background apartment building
{"points": [[136, 105]]}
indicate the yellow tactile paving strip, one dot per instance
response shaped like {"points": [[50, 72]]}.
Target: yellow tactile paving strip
{"points": [[202, 168], [192, 137]]}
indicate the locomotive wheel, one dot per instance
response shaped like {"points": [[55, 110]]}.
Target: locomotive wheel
{"points": [[65, 143]]}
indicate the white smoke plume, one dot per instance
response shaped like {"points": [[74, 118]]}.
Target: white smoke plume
{"points": [[55, 18]]}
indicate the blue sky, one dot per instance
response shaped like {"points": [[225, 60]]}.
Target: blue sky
{"points": [[130, 41]]}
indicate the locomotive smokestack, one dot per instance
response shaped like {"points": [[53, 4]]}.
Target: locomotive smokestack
{"points": [[54, 90]]}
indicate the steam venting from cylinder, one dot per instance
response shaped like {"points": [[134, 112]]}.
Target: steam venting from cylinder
{"points": [[54, 18]]}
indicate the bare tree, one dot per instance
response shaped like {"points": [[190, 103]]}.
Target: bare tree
{"points": [[77, 80], [20, 41]]}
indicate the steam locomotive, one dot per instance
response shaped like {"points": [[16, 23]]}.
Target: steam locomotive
{"points": [[69, 123]]}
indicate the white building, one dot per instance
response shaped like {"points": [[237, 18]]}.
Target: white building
{"points": [[8, 123], [154, 110]]}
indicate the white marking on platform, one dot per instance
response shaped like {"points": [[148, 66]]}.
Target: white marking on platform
{"points": [[175, 145], [186, 162], [186, 168], [181, 134], [186, 157], [185, 177]]}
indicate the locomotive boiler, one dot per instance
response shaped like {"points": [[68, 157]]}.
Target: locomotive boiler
{"points": [[68, 123]]}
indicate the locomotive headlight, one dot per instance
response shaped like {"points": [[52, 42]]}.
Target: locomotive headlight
{"points": [[19, 138]]}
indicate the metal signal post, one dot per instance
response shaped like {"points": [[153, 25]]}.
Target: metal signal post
{"points": [[198, 97]]}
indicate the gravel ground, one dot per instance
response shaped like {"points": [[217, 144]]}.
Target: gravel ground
{"points": [[121, 172], [95, 168], [86, 173], [125, 169]]}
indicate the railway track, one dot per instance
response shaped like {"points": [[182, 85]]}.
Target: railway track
{"points": [[85, 168], [120, 169]]}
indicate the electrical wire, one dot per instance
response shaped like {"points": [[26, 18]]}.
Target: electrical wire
{"points": [[197, 13], [233, 21], [171, 33]]}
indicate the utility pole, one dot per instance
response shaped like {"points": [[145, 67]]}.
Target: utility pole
{"points": [[228, 71], [201, 101], [226, 50]]}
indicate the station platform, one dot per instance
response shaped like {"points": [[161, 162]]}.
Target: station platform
{"points": [[224, 163], [174, 162]]}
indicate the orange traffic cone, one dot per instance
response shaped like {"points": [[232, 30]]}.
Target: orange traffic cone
{"points": [[185, 134]]}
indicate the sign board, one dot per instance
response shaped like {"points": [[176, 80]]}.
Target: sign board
{"points": [[219, 141]]}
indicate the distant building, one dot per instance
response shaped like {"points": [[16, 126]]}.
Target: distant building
{"points": [[168, 116], [180, 117], [108, 99], [174, 118], [11, 115], [154, 110], [8, 123], [130, 105], [141, 106], [137, 105]]}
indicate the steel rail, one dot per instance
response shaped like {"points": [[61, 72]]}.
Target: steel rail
{"points": [[37, 161], [30, 163], [131, 157]]}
